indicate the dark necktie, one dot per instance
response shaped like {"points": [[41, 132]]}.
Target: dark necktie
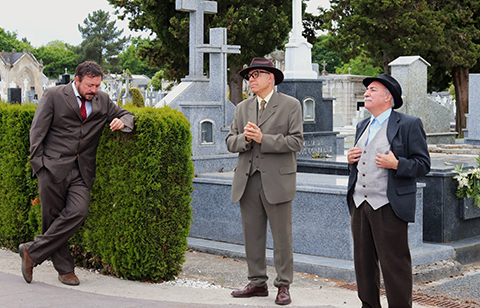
{"points": [[83, 110], [262, 107]]}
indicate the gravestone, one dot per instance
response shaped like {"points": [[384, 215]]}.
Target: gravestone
{"points": [[303, 83], [411, 73], [472, 132], [196, 8], [203, 100], [14, 95], [298, 51]]}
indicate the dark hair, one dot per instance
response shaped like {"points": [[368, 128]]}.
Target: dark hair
{"points": [[88, 68]]}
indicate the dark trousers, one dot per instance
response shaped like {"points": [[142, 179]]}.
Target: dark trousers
{"points": [[380, 236], [64, 209], [256, 211]]}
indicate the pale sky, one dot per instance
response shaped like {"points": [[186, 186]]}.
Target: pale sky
{"points": [[47, 20]]}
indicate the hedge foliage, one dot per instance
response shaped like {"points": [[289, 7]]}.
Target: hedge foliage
{"points": [[140, 213]]}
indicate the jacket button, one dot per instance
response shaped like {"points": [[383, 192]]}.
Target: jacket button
{"points": [[365, 196], [363, 186], [363, 163], [246, 174]]}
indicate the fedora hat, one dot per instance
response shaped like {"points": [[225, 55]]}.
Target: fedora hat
{"points": [[392, 85], [265, 64]]}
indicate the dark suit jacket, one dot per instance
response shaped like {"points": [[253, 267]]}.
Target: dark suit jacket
{"points": [[58, 136], [408, 142], [282, 130]]}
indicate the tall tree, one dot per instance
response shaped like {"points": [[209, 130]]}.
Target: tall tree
{"points": [[259, 26], [442, 31], [130, 59], [57, 56], [101, 41], [8, 41]]}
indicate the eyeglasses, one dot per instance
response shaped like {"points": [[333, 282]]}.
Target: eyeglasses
{"points": [[255, 74]]}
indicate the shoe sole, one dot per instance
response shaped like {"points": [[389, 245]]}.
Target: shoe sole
{"points": [[68, 283], [20, 251], [252, 295]]}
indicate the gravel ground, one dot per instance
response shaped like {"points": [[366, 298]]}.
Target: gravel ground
{"points": [[464, 288]]}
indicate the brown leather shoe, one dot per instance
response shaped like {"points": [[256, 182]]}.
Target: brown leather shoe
{"points": [[283, 296], [71, 279], [251, 290], [27, 263]]}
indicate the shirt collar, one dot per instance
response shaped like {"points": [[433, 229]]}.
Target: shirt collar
{"points": [[75, 89], [266, 99], [383, 117]]}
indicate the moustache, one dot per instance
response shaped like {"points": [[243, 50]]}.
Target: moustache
{"points": [[367, 99]]}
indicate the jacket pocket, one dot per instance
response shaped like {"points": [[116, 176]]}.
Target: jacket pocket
{"points": [[51, 154], [288, 169], [410, 189]]}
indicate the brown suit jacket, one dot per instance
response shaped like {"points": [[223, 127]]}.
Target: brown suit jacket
{"points": [[282, 129], [58, 136]]}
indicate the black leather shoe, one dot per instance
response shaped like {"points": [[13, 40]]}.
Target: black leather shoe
{"points": [[27, 263], [283, 296], [251, 290]]}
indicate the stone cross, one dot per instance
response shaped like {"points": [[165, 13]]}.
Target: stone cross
{"points": [[196, 8], [324, 64], [297, 18], [218, 50], [126, 96]]}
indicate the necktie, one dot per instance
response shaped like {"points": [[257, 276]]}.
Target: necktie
{"points": [[83, 111], [262, 107]]}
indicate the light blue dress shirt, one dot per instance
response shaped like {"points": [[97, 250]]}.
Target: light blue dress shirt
{"points": [[376, 124]]}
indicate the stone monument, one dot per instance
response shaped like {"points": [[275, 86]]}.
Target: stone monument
{"points": [[204, 100], [302, 82], [472, 132], [411, 73]]}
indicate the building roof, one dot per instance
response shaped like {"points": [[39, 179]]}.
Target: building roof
{"points": [[10, 58]]}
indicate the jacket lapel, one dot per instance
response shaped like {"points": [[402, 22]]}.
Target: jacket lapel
{"points": [[361, 127], [252, 110], [71, 99], [270, 109], [393, 126]]}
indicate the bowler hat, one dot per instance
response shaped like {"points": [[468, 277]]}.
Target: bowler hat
{"points": [[392, 85], [264, 64]]}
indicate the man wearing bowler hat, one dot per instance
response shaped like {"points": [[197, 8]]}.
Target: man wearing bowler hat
{"points": [[267, 132], [390, 152]]}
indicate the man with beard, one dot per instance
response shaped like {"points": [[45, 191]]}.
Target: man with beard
{"points": [[64, 137]]}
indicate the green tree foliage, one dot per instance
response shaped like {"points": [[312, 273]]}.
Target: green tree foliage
{"points": [[359, 66], [137, 97], [321, 53], [156, 81], [384, 30], [8, 41], [130, 59], [259, 26], [444, 32], [101, 41], [56, 56]]}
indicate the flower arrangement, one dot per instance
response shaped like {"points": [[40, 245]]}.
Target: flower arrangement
{"points": [[468, 182]]}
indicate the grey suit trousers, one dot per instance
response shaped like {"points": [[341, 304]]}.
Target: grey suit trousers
{"points": [[64, 209], [256, 211]]}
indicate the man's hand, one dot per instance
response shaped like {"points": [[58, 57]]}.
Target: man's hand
{"points": [[353, 155], [116, 124], [253, 132], [387, 161]]}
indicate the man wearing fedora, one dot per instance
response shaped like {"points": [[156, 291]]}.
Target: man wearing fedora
{"points": [[267, 132], [390, 152]]}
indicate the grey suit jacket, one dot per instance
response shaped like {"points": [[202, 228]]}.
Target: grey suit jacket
{"points": [[282, 129], [407, 140], [58, 136]]}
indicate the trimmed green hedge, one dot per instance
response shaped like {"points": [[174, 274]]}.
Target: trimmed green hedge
{"points": [[140, 213]]}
